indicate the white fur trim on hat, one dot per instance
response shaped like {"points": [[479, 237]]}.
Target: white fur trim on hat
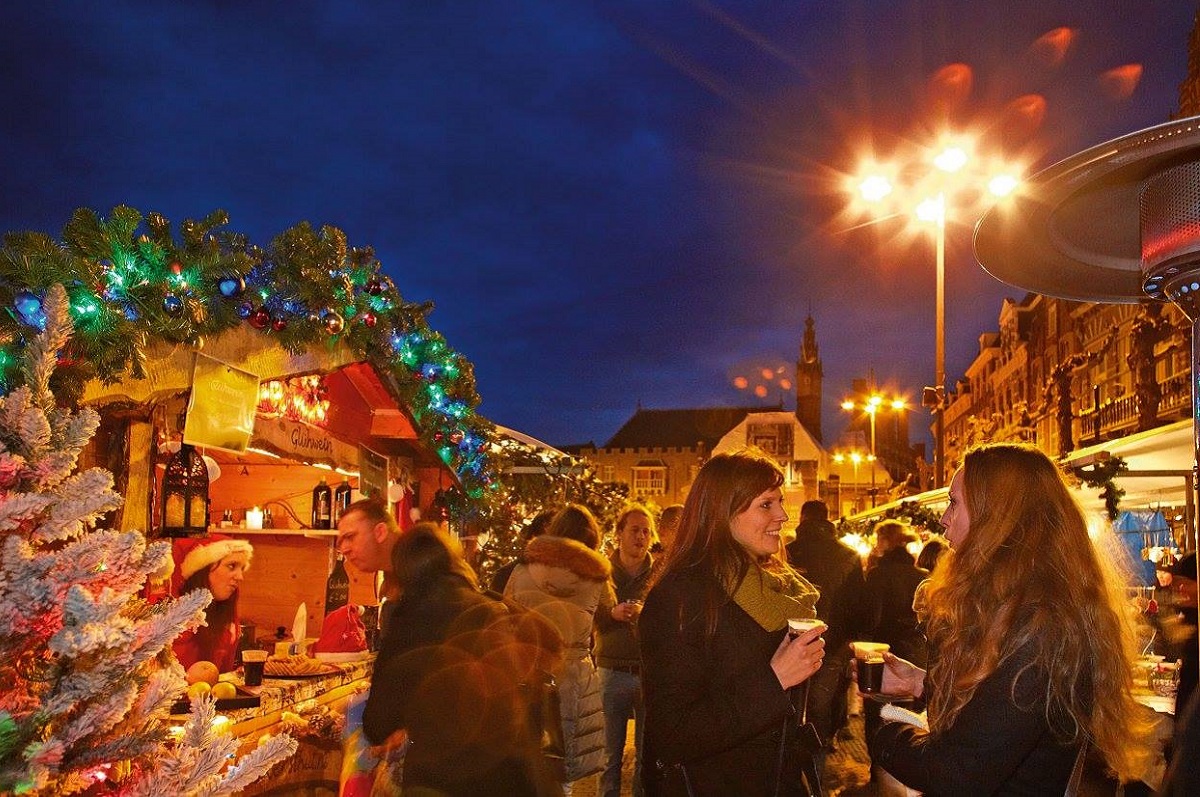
{"points": [[208, 552]]}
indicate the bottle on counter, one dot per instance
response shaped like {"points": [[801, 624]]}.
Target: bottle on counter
{"points": [[268, 518], [322, 506], [341, 500], [337, 586], [227, 519]]}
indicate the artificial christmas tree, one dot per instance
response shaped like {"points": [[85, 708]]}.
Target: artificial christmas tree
{"points": [[87, 674]]}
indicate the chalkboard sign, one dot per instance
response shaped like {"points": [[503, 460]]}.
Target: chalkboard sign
{"points": [[372, 474]]}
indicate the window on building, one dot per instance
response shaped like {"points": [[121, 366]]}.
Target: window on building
{"points": [[608, 473], [649, 481]]}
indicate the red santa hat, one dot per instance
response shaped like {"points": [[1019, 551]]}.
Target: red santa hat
{"points": [[342, 632], [193, 554]]}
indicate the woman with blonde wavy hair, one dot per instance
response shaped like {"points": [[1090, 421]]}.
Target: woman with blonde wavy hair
{"points": [[1030, 649]]}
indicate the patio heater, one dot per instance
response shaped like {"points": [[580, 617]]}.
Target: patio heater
{"points": [[1119, 222]]}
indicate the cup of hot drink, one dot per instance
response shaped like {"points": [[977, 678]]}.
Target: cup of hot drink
{"points": [[799, 625], [253, 662], [868, 658]]}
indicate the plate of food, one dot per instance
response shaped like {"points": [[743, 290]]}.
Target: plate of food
{"points": [[297, 667]]}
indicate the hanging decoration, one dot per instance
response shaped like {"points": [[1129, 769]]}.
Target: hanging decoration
{"points": [[185, 494], [1101, 474]]}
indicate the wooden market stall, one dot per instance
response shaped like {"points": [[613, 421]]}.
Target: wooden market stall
{"points": [[319, 415]]}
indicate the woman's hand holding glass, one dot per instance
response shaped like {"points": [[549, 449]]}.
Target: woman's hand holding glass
{"points": [[798, 657], [901, 677]]}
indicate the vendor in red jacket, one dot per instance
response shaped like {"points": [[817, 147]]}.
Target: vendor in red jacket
{"points": [[216, 563]]}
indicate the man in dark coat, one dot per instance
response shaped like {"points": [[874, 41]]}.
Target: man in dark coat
{"points": [[835, 569]]}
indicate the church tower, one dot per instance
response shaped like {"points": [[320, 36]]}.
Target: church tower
{"points": [[808, 382]]}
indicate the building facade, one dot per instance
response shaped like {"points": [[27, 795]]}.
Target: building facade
{"points": [[658, 452], [1064, 375]]}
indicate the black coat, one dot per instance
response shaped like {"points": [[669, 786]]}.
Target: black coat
{"points": [[449, 673], [835, 569], [888, 605], [998, 745], [715, 707]]}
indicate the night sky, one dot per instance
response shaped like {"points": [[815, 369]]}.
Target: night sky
{"points": [[608, 202]]}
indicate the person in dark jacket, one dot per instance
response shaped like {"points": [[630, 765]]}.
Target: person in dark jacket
{"points": [[1030, 653], [616, 644], [887, 596], [835, 569], [718, 664], [1183, 584], [454, 672]]}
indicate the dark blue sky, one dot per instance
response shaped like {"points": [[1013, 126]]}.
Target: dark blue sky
{"points": [[607, 201]]}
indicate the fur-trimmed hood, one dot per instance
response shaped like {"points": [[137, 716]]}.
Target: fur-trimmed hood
{"points": [[569, 554]]}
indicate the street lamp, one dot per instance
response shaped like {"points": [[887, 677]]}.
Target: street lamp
{"points": [[874, 403], [931, 183]]}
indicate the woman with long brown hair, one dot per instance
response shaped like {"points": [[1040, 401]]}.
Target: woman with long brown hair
{"points": [[718, 662], [1030, 649]]}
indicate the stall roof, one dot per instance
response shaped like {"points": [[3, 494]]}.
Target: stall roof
{"points": [[1166, 448]]}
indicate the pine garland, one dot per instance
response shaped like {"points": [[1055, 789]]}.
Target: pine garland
{"points": [[131, 280]]}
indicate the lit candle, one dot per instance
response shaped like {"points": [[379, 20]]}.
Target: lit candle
{"points": [[254, 518]]}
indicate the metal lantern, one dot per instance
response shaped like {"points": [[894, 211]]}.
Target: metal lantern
{"points": [[185, 494]]}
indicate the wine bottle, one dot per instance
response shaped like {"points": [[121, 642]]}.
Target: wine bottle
{"points": [[337, 586], [341, 500], [322, 500]]}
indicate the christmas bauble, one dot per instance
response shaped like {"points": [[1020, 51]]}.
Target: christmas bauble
{"points": [[245, 310], [231, 286], [29, 308], [260, 318], [374, 286], [369, 320], [278, 323], [333, 321], [176, 268], [172, 304]]}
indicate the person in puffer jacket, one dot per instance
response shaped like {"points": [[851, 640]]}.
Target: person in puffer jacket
{"points": [[562, 577]]}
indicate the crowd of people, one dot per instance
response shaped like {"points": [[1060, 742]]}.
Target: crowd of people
{"points": [[1009, 637]]}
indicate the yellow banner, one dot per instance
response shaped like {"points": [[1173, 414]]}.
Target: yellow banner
{"points": [[220, 412]]}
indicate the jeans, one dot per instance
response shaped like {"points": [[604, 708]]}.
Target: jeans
{"points": [[622, 696]]}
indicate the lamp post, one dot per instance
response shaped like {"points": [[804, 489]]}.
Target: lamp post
{"points": [[932, 181], [873, 404]]}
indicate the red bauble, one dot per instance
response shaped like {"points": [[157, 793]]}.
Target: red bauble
{"points": [[279, 324], [260, 318], [369, 320], [176, 267]]}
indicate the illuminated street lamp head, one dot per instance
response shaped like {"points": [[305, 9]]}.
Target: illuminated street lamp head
{"points": [[951, 159], [847, 404], [933, 209], [1003, 184], [875, 187]]}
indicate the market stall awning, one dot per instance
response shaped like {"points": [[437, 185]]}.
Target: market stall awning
{"points": [[1156, 461]]}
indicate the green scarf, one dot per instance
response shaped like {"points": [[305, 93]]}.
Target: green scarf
{"points": [[772, 597]]}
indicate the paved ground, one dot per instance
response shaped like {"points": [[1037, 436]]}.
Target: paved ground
{"points": [[846, 772]]}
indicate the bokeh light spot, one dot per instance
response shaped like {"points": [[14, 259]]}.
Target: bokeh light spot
{"points": [[1051, 48], [1120, 82]]}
